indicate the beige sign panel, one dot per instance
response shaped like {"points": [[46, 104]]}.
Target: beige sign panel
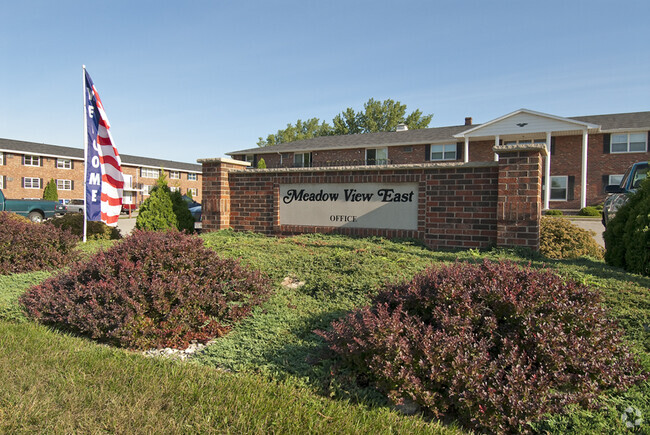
{"points": [[368, 205]]}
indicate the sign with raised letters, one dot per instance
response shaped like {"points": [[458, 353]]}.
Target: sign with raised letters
{"points": [[363, 205]]}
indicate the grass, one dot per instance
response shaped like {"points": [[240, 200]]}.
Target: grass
{"points": [[271, 373]]}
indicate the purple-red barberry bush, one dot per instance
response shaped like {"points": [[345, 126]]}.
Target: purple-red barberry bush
{"points": [[492, 345], [153, 289], [26, 246]]}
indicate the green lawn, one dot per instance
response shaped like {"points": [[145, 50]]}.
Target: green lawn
{"points": [[271, 373]]}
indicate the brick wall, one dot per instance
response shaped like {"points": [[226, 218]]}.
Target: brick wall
{"points": [[12, 172], [460, 205]]}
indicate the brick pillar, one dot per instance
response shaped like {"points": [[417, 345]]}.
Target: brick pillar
{"points": [[215, 192], [519, 204]]}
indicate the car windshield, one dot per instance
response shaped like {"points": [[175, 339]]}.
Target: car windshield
{"points": [[639, 175]]}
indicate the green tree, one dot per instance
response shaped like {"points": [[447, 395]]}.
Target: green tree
{"points": [[164, 210], [376, 116], [261, 164], [50, 192]]}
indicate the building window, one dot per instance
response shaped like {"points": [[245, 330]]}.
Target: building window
{"points": [[64, 164], [174, 189], [192, 177], [174, 175], [146, 189], [2, 159], [64, 184], [193, 191], [629, 143], [615, 179], [302, 160], [2, 182], [31, 160], [31, 183], [559, 188], [443, 152], [149, 173], [377, 156], [250, 158]]}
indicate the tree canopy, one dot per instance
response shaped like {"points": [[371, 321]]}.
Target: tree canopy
{"points": [[376, 116]]}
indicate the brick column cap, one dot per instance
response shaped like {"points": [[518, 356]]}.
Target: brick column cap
{"points": [[224, 160], [501, 149]]}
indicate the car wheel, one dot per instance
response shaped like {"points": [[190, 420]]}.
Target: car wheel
{"points": [[35, 216]]}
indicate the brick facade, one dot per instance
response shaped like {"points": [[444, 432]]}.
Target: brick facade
{"points": [[566, 161], [460, 205], [13, 171]]}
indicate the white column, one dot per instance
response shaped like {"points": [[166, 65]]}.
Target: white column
{"points": [[583, 187], [547, 173], [496, 144], [466, 153]]}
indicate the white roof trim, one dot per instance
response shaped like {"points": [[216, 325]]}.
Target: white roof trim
{"points": [[582, 125]]}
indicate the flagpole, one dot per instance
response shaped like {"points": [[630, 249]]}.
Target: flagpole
{"points": [[85, 151]]}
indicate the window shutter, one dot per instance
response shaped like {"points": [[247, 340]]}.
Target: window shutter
{"points": [[23, 182], [40, 160], [71, 164], [427, 153], [72, 185], [40, 183], [552, 146], [570, 186], [460, 147], [647, 143], [606, 143], [605, 181], [24, 159]]}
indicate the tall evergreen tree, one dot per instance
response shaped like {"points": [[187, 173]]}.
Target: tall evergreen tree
{"points": [[50, 192]]}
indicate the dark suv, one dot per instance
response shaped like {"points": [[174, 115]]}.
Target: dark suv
{"points": [[631, 181]]}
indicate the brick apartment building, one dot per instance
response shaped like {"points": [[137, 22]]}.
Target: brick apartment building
{"points": [[585, 153], [26, 167]]}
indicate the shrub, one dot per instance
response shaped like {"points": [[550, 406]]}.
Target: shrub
{"points": [[153, 289], [26, 246], [491, 344], [95, 230], [590, 211], [50, 192], [560, 239], [554, 213], [184, 218], [261, 164], [627, 237], [157, 212]]}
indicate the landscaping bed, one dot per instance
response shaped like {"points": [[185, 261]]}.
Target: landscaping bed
{"points": [[272, 372]]}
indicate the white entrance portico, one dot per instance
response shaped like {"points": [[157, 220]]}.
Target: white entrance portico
{"points": [[527, 126]]}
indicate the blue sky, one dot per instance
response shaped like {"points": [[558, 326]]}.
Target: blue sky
{"points": [[196, 79]]}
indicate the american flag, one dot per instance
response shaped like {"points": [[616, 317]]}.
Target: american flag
{"points": [[104, 180]]}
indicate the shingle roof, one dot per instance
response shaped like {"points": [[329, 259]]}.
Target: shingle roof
{"points": [[431, 135], [78, 153]]}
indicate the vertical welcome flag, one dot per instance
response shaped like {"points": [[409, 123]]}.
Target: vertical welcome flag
{"points": [[104, 180]]}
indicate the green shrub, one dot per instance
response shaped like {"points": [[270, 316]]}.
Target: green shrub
{"points": [[560, 239], [491, 344], [157, 212], [95, 230], [261, 164], [627, 237], [184, 218], [26, 246], [50, 192], [164, 210], [554, 213], [153, 289], [590, 211]]}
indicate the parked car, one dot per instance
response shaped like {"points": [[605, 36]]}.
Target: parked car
{"points": [[35, 209], [128, 208], [75, 206], [631, 181]]}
